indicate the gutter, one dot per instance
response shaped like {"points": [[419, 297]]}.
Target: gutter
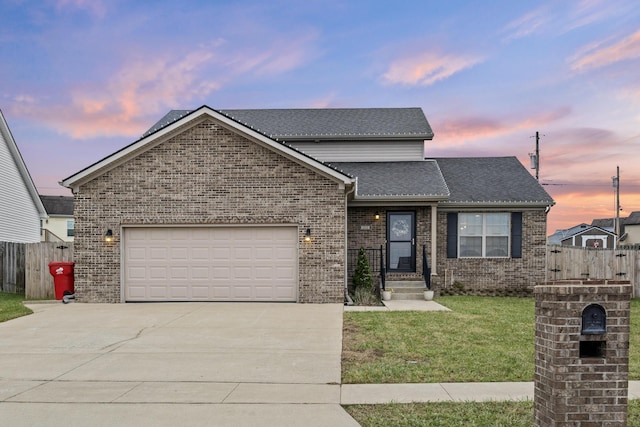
{"points": [[347, 298]]}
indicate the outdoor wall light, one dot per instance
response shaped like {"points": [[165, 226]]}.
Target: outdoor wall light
{"points": [[307, 235], [108, 236], [376, 216]]}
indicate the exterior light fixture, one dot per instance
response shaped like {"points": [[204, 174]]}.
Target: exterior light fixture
{"points": [[108, 236], [376, 216], [307, 235]]}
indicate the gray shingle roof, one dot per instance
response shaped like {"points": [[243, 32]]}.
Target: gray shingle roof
{"points": [[491, 180], [58, 205], [326, 123], [420, 179]]}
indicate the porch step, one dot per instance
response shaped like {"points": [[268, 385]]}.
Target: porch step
{"points": [[406, 289]]}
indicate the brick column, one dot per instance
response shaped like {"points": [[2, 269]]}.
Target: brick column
{"points": [[581, 373]]}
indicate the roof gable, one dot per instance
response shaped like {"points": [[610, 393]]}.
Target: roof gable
{"points": [[16, 157], [491, 181], [326, 123], [187, 121]]}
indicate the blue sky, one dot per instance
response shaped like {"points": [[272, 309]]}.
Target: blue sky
{"points": [[83, 78]]}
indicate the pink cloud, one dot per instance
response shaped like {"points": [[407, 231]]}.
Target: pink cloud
{"points": [[461, 130], [278, 56], [427, 68], [128, 102], [597, 55], [526, 25], [145, 87]]}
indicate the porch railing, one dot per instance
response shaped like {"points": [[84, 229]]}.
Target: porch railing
{"points": [[426, 270], [375, 258]]}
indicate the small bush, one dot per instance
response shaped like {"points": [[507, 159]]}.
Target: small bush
{"points": [[362, 277], [363, 296]]}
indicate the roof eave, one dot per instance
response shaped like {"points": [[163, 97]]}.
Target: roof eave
{"points": [[395, 198], [540, 204], [364, 138]]}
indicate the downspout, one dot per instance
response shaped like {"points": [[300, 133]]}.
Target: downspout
{"points": [[347, 298]]}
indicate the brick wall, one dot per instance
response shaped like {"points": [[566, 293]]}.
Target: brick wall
{"points": [[494, 276], [574, 387], [209, 175]]}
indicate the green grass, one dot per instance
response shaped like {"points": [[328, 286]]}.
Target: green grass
{"points": [[11, 307], [454, 414], [482, 339]]}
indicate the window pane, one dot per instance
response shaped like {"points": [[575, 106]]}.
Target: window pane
{"points": [[400, 255], [400, 227], [470, 224], [497, 224], [470, 246], [497, 246]]}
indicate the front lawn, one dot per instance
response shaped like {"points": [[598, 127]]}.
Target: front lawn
{"points": [[483, 339], [11, 307]]}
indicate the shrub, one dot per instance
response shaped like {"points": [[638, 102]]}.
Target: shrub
{"points": [[362, 277]]}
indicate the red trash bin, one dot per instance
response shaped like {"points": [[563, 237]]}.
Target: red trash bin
{"points": [[62, 273]]}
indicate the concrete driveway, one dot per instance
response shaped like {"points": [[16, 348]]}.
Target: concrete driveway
{"points": [[222, 364]]}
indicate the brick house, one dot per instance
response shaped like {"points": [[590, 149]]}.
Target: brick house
{"points": [[266, 205]]}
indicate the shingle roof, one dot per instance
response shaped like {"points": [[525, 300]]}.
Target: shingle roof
{"points": [[633, 218], [58, 205], [606, 223], [418, 179], [326, 123], [491, 180]]}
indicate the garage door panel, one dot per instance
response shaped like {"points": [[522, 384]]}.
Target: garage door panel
{"points": [[157, 273], [215, 264]]}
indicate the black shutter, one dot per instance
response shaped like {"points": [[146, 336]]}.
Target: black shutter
{"points": [[452, 235], [516, 234]]}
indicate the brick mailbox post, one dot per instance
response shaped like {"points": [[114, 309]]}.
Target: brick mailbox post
{"points": [[582, 353]]}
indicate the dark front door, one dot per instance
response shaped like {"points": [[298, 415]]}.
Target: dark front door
{"points": [[401, 241]]}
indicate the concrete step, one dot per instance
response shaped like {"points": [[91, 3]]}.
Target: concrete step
{"points": [[407, 296], [406, 289]]}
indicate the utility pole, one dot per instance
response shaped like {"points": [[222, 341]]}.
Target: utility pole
{"points": [[616, 185], [535, 157]]}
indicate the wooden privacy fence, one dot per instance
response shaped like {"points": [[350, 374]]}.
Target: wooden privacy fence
{"points": [[39, 282], [568, 262], [24, 267], [12, 267]]}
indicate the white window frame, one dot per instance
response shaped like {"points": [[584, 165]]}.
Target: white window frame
{"points": [[72, 229], [483, 235]]}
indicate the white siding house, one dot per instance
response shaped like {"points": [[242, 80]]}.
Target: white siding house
{"points": [[20, 207]]}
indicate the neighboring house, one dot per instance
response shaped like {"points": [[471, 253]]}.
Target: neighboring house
{"points": [[60, 225], [264, 205], [631, 230], [20, 207], [585, 236]]}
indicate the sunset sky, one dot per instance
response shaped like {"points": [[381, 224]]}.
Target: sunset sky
{"points": [[83, 78]]}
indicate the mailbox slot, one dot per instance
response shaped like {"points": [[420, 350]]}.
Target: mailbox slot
{"points": [[592, 349], [594, 320]]}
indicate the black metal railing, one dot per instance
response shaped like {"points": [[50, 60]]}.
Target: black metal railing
{"points": [[383, 271], [426, 270], [375, 258]]}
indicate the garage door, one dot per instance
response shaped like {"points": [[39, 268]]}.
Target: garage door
{"points": [[210, 264]]}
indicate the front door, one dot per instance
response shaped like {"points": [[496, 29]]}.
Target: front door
{"points": [[401, 241]]}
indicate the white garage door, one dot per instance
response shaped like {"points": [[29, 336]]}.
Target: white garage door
{"points": [[210, 264]]}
